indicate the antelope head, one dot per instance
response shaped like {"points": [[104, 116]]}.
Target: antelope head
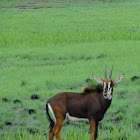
{"points": [[108, 83]]}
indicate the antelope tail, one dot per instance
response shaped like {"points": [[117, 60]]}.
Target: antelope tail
{"points": [[49, 118]]}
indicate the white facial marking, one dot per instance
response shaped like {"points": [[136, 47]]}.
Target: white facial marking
{"points": [[104, 85], [109, 96], [75, 119], [109, 91], [50, 108], [109, 85]]}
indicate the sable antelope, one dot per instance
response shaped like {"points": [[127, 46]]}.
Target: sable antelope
{"points": [[90, 105]]}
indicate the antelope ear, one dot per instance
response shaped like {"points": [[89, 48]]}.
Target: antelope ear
{"points": [[118, 79], [98, 79]]}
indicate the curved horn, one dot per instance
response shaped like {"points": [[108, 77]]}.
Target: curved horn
{"points": [[105, 72], [111, 73]]}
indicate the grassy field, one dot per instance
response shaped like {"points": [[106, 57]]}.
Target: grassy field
{"points": [[47, 47]]}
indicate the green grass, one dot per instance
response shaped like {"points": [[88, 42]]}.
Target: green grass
{"points": [[56, 48]]}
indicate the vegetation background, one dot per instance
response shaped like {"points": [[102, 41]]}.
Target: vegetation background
{"points": [[50, 46]]}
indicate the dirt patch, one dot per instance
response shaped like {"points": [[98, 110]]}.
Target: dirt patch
{"points": [[8, 123], [5, 100], [31, 111], [31, 5], [35, 97], [117, 119], [135, 97], [17, 101], [24, 7], [20, 110], [134, 78]]}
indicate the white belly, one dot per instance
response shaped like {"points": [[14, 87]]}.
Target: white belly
{"points": [[71, 118]]}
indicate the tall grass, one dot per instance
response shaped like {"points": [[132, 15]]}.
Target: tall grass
{"points": [[93, 24]]}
